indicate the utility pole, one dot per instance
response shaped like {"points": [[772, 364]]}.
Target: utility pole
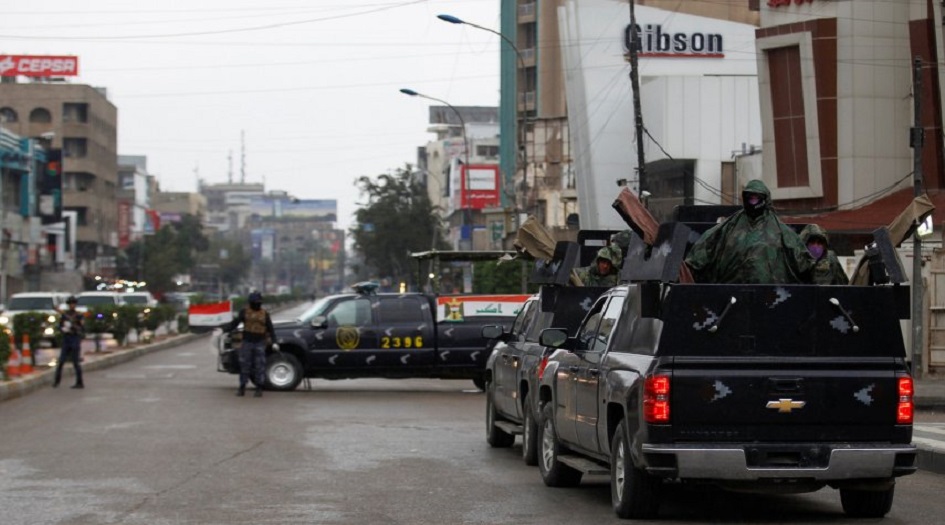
{"points": [[635, 86], [917, 140]]}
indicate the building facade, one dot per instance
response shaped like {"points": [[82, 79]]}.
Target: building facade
{"points": [[81, 122]]}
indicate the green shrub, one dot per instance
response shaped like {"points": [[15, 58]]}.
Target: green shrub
{"points": [[29, 323]]}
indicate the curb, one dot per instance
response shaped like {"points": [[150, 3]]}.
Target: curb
{"points": [[19, 387], [930, 458]]}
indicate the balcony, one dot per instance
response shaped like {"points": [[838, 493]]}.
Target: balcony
{"points": [[528, 57], [527, 12], [526, 101]]}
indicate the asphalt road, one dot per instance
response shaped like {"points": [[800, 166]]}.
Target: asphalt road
{"points": [[163, 440]]}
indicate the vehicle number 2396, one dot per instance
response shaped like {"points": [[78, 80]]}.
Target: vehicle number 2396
{"points": [[402, 342]]}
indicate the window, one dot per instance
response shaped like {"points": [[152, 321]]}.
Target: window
{"points": [[400, 310], [75, 112], [607, 323], [524, 319], [8, 115], [787, 108], [41, 116], [353, 312], [487, 151], [75, 147], [589, 327]]}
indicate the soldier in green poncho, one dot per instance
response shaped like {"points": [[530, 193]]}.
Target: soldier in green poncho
{"points": [[602, 273], [827, 268], [751, 246]]}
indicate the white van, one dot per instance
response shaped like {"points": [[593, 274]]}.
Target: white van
{"points": [[44, 302], [87, 299]]}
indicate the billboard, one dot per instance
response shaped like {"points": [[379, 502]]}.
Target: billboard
{"points": [[39, 66], [480, 186], [267, 206]]}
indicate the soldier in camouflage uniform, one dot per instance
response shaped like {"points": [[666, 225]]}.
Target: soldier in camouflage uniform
{"points": [[827, 269], [602, 273], [257, 331], [751, 246]]}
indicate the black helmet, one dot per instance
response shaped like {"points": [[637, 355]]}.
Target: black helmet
{"points": [[255, 297], [71, 300]]}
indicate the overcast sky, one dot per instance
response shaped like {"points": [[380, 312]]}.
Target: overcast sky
{"points": [[313, 83]]}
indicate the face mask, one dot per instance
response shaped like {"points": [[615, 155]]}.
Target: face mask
{"points": [[817, 250]]}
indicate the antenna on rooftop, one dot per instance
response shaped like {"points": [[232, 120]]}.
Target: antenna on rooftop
{"points": [[242, 157], [229, 171]]}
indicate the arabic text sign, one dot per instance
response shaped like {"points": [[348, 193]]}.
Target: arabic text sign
{"points": [[39, 66], [458, 307]]}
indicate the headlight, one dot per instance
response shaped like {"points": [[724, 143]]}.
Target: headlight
{"points": [[51, 319], [48, 331], [4, 319]]}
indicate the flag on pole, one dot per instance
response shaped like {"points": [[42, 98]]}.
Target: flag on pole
{"points": [[210, 315]]}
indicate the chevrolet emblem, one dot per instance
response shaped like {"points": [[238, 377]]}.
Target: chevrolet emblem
{"points": [[785, 406]]}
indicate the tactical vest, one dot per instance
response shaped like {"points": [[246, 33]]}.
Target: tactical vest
{"points": [[254, 321]]}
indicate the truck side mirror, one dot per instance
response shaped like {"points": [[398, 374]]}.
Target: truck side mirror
{"points": [[493, 331], [319, 321], [553, 337]]}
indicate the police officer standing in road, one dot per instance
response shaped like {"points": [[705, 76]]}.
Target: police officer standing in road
{"points": [[72, 329], [257, 331]]}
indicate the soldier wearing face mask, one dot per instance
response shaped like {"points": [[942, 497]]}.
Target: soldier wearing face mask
{"points": [[827, 268], [751, 246]]}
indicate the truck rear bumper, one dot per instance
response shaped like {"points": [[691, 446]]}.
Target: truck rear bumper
{"points": [[812, 461]]}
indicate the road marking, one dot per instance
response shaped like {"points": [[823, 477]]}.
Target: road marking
{"points": [[170, 367], [938, 429]]}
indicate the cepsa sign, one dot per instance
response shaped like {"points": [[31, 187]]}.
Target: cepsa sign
{"points": [[38, 66]]}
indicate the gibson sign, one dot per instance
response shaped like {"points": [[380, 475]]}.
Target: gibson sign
{"points": [[654, 42], [38, 66]]}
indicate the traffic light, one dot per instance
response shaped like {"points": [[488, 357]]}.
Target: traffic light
{"points": [[50, 188]]}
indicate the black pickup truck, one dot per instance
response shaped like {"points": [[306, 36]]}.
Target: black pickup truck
{"points": [[367, 334], [511, 370], [779, 388]]}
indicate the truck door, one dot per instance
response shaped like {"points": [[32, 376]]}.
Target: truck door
{"points": [[350, 337], [405, 332], [587, 395], [508, 362], [568, 374]]}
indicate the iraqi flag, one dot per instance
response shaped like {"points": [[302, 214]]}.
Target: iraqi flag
{"points": [[203, 317]]}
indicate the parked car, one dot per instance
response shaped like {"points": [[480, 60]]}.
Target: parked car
{"points": [[87, 299], [43, 302], [138, 298]]}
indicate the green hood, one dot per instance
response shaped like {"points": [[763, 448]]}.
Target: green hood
{"points": [[756, 186], [813, 231]]}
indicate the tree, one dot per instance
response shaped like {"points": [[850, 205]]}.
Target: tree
{"points": [[170, 251], [397, 219], [230, 261]]}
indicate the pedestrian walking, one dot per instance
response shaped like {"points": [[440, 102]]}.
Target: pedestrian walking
{"points": [[257, 332], [72, 329]]}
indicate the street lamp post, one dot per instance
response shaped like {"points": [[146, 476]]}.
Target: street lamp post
{"points": [[523, 133], [465, 195]]}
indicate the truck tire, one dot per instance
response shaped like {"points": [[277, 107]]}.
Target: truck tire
{"points": [[480, 383], [283, 371], [496, 437], [634, 493], [867, 503], [553, 472], [529, 433]]}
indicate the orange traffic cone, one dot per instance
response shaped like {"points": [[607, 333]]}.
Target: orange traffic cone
{"points": [[13, 362], [26, 359]]}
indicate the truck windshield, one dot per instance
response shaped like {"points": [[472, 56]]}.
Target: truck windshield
{"points": [[318, 308], [31, 303]]}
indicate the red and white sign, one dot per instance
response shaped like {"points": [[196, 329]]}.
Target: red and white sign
{"points": [[480, 187], [38, 66], [209, 315]]}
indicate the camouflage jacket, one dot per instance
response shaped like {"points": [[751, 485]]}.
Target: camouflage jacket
{"points": [[743, 249], [827, 269], [590, 277]]}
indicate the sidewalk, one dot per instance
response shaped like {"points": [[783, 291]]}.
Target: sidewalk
{"points": [[42, 375]]}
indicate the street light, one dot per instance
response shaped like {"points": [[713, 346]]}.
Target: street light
{"points": [[521, 61], [462, 122]]}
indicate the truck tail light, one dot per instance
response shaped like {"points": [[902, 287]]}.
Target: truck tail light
{"points": [[906, 407], [656, 399], [541, 367]]}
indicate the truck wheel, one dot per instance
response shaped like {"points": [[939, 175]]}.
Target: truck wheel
{"points": [[867, 503], [480, 383], [496, 437], [283, 371], [529, 434], [634, 493], [553, 472]]}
